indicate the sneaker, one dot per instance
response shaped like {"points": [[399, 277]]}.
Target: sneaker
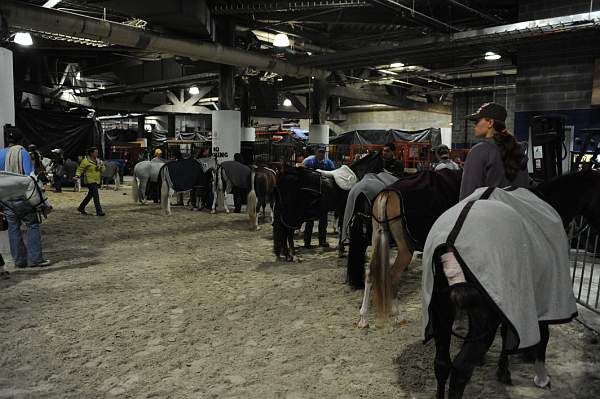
{"points": [[309, 246], [100, 214], [82, 211], [21, 266], [43, 263], [324, 244]]}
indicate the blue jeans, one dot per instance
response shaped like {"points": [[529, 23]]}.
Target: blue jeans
{"points": [[21, 254], [308, 229]]}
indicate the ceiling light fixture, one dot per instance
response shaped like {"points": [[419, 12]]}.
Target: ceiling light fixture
{"points": [[194, 90], [396, 65], [23, 38], [387, 72], [51, 3], [281, 40], [78, 75], [491, 56], [287, 102]]}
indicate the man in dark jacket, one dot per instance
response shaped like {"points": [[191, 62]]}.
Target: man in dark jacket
{"points": [[390, 163]]}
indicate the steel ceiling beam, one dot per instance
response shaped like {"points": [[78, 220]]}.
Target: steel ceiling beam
{"points": [[397, 5], [476, 37], [474, 11], [37, 19], [284, 6]]}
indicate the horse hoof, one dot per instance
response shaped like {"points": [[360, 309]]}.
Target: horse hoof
{"points": [[542, 383], [504, 377], [363, 323]]}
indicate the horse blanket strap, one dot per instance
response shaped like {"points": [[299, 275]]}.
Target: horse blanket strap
{"points": [[423, 197], [512, 247]]}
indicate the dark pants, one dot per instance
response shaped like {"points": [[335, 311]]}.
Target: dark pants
{"points": [[239, 195], [308, 229], [57, 183], [92, 194]]}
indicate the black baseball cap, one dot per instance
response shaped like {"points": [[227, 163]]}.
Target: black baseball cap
{"points": [[490, 111]]}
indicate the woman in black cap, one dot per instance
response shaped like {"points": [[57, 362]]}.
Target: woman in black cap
{"points": [[498, 159]]}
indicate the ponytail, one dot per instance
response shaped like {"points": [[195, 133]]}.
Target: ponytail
{"points": [[510, 151]]}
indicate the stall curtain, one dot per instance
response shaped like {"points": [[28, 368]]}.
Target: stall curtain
{"points": [[364, 137], [49, 130]]}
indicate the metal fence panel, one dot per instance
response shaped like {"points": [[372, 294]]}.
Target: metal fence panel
{"points": [[585, 266]]}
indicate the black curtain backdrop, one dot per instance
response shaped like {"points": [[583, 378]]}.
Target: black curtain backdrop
{"points": [[49, 130]]}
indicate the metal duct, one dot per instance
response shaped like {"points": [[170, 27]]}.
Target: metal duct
{"points": [[284, 6], [27, 17]]}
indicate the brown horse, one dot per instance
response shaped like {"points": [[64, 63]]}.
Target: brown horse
{"points": [[404, 212], [262, 185]]}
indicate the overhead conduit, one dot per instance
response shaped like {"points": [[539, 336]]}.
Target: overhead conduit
{"points": [[23, 16]]}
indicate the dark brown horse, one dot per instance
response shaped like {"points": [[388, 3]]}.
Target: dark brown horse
{"points": [[577, 194]]}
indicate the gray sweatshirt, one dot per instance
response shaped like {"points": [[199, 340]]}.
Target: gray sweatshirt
{"points": [[484, 168]]}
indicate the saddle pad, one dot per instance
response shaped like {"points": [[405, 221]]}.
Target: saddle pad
{"points": [[515, 248], [344, 177], [425, 196], [185, 174], [370, 185]]}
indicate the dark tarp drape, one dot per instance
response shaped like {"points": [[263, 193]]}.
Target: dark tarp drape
{"points": [[120, 136], [432, 135], [49, 130]]}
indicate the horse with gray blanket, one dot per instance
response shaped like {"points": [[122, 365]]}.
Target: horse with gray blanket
{"points": [[143, 173], [112, 171], [501, 256], [232, 177]]}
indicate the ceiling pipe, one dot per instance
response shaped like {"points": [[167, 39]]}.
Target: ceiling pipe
{"points": [[37, 19], [397, 5], [267, 37], [481, 14], [284, 6]]}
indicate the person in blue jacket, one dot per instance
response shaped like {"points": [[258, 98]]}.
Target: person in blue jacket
{"points": [[14, 158], [317, 161]]}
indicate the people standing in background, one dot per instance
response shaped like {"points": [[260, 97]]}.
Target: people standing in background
{"points": [[15, 159], [157, 156], [390, 163], [58, 169], [442, 154], [38, 166], [318, 161], [91, 168]]}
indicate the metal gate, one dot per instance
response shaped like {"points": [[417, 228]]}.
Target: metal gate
{"points": [[585, 266]]}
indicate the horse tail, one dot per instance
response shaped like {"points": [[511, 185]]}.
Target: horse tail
{"points": [[380, 262], [117, 180], [165, 190], [252, 201], [221, 190], [358, 246], [135, 187]]}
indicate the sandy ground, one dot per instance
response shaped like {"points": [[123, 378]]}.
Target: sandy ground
{"points": [[193, 306]]}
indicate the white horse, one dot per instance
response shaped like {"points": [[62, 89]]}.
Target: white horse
{"points": [[23, 194], [144, 172]]}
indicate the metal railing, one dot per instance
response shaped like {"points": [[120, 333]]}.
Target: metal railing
{"points": [[585, 266]]}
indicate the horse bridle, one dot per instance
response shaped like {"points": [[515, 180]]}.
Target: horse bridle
{"points": [[42, 199]]}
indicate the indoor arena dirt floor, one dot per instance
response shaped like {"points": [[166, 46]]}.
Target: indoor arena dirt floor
{"points": [[139, 305]]}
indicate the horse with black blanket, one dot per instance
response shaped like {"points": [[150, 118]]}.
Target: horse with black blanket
{"points": [[180, 176], [501, 257], [303, 194]]}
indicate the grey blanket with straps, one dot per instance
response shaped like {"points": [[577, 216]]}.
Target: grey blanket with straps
{"points": [[514, 246]]}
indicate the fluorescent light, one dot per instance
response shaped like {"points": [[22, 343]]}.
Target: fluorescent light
{"points": [[194, 90], [23, 38], [281, 40], [287, 102], [308, 53], [491, 56], [387, 72], [51, 3], [396, 65]]}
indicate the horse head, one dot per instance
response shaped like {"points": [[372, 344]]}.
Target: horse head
{"points": [[371, 163]]}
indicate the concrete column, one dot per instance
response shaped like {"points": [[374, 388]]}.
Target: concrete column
{"points": [[248, 134], [318, 134], [226, 133], [7, 88]]}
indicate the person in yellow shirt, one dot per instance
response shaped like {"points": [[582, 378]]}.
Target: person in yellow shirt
{"points": [[91, 167]]}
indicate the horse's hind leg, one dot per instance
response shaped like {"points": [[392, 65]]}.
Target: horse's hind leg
{"points": [[542, 379], [482, 323], [442, 321], [503, 371]]}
